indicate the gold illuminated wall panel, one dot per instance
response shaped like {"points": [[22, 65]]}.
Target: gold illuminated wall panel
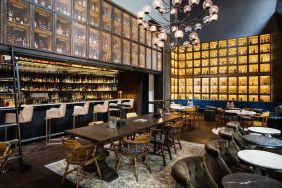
{"points": [[237, 69]]}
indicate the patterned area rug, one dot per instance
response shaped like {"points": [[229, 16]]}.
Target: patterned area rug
{"points": [[159, 178]]}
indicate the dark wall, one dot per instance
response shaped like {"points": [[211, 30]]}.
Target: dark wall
{"points": [[239, 18], [278, 13]]}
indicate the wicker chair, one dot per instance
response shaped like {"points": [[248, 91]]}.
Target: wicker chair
{"points": [[79, 156], [134, 149], [5, 152]]}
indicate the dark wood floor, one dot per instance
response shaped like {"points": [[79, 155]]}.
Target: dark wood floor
{"points": [[37, 155]]}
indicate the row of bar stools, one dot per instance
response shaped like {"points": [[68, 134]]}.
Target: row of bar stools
{"points": [[53, 113], [25, 116], [80, 111]]}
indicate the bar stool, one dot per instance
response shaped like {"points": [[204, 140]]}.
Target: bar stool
{"points": [[127, 106], [100, 108], [25, 116], [115, 107], [80, 111], [53, 113]]}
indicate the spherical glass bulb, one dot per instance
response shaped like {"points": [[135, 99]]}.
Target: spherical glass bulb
{"points": [[160, 44], [187, 9], [162, 36], [196, 41], [174, 28], [213, 17], [188, 29], [176, 2], [186, 43], [146, 9], [145, 25], [198, 26], [139, 21], [206, 19], [194, 2], [155, 40], [140, 14], [214, 9], [172, 45], [207, 4], [173, 11], [179, 34], [153, 28], [193, 36], [157, 4]]}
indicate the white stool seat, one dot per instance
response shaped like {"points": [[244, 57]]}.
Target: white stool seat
{"points": [[128, 105], [54, 113], [25, 115], [100, 108], [81, 110]]}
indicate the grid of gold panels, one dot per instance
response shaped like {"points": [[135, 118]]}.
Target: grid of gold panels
{"points": [[233, 69]]}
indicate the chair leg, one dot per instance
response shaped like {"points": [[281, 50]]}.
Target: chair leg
{"points": [[98, 169], [73, 122], [46, 126], [136, 168], [50, 129], [174, 146], [78, 177], [147, 164], [94, 117], [169, 152], [179, 143], [65, 173], [163, 154], [119, 158]]}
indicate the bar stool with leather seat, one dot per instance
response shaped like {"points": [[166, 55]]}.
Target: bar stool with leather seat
{"points": [[100, 108], [127, 107], [53, 113], [115, 107], [25, 116], [80, 111]]}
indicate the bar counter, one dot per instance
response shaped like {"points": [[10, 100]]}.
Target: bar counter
{"points": [[35, 130]]}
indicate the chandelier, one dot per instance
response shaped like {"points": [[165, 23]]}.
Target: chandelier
{"points": [[182, 28]]}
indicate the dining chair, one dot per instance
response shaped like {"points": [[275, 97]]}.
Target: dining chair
{"points": [[260, 119], [176, 133], [5, 152], [80, 156], [131, 115], [135, 149]]}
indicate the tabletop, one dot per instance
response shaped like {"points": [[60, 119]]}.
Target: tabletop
{"points": [[240, 112], [264, 130], [260, 158], [103, 133], [263, 141], [248, 180]]}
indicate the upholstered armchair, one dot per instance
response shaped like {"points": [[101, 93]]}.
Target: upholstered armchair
{"points": [[80, 111], [25, 115], [100, 108], [192, 172]]}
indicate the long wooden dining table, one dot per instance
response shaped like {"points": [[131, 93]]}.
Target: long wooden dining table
{"points": [[103, 134]]}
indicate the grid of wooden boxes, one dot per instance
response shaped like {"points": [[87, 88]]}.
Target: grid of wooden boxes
{"points": [[233, 69]]}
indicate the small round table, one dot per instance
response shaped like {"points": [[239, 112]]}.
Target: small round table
{"points": [[264, 131], [263, 141], [247, 180], [262, 159]]}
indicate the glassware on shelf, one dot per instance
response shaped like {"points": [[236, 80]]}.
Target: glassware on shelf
{"points": [[94, 44], [264, 58], [63, 35], [242, 41], [242, 50], [213, 45], [265, 38], [205, 54], [63, 7], [126, 52], [134, 28], [253, 40], [242, 59], [205, 46], [44, 3], [232, 51], [222, 44], [117, 50], [80, 10], [134, 54], [253, 59], [149, 38], [42, 29], [253, 49], [94, 12], [265, 67], [17, 31], [253, 68], [222, 61], [148, 58], [107, 48], [107, 16], [232, 42], [265, 48], [126, 26], [222, 52], [197, 47], [79, 40], [232, 60]]}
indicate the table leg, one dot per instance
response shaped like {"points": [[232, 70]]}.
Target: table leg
{"points": [[108, 173]]}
